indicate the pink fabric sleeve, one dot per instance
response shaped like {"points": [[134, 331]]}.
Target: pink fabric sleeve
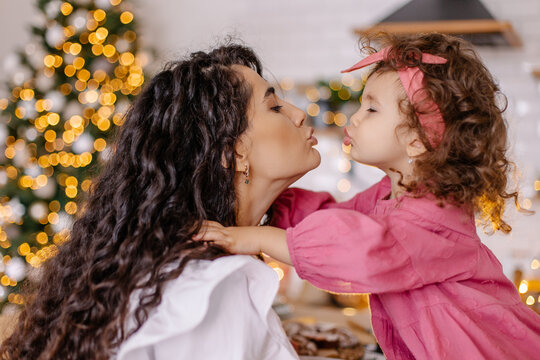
{"points": [[346, 251], [294, 204]]}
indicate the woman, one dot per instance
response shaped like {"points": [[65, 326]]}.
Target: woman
{"points": [[208, 138]]}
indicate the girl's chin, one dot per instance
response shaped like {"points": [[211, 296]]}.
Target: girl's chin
{"points": [[360, 159]]}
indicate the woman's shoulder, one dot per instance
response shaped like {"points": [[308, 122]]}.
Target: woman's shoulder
{"points": [[201, 278], [238, 281], [194, 288], [218, 269]]}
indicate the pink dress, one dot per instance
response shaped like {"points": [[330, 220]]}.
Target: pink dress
{"points": [[436, 291]]}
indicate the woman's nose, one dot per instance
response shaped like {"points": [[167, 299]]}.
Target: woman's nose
{"points": [[297, 116]]}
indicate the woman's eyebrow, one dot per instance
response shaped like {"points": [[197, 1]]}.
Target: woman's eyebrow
{"points": [[270, 91]]}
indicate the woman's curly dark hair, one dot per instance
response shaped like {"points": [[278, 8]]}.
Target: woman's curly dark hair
{"points": [[171, 168], [470, 166]]}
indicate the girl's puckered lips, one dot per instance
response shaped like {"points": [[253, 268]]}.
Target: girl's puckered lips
{"points": [[347, 139]]}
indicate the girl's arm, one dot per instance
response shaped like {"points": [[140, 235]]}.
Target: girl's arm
{"points": [[345, 251], [249, 240], [348, 252]]}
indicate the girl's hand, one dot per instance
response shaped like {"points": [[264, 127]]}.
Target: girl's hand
{"points": [[248, 240], [237, 240]]}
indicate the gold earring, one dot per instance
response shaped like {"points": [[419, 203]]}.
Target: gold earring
{"points": [[246, 173]]}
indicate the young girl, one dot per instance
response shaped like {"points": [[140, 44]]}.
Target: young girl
{"points": [[429, 119]]}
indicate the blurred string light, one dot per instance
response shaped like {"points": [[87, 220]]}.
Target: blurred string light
{"points": [[277, 268], [330, 103], [530, 289], [349, 311], [523, 286], [344, 185], [68, 90]]}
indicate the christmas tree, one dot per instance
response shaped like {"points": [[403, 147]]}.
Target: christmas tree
{"points": [[66, 92]]}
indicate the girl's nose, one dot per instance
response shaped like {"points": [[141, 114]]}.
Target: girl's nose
{"points": [[353, 121]]}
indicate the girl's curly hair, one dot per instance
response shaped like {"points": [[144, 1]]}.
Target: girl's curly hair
{"points": [[469, 167], [172, 167]]}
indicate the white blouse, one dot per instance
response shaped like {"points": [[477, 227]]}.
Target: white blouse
{"points": [[220, 309]]}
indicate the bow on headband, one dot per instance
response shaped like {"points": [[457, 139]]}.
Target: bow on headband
{"points": [[412, 79]]}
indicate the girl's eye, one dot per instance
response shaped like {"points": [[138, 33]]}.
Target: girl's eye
{"points": [[276, 108], [371, 110]]}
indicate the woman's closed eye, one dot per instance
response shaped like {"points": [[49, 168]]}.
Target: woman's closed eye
{"points": [[371, 110], [276, 108]]}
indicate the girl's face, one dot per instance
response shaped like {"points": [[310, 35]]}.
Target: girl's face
{"points": [[372, 132], [277, 144]]}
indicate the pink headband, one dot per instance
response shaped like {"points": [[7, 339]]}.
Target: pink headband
{"points": [[412, 79]]}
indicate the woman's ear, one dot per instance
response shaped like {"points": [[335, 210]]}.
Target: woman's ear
{"points": [[240, 154], [241, 151], [415, 147]]}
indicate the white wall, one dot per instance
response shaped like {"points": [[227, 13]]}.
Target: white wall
{"points": [[306, 40]]}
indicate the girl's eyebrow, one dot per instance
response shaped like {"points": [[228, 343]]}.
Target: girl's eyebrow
{"points": [[372, 98]]}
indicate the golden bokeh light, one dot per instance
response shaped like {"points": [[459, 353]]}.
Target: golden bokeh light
{"points": [[313, 94], [71, 207], [70, 70], [100, 144], [97, 49], [50, 135], [92, 24], [99, 15], [126, 17], [127, 59], [83, 75], [313, 109], [24, 249], [523, 287], [286, 84], [42, 238], [53, 119], [75, 49], [344, 185], [340, 119], [48, 61], [66, 8], [102, 33], [109, 50]]}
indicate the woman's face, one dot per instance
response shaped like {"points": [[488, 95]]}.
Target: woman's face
{"points": [[277, 144]]}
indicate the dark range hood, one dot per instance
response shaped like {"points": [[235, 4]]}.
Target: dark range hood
{"points": [[466, 18]]}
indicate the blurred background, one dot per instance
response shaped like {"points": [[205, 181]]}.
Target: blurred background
{"points": [[69, 69]]}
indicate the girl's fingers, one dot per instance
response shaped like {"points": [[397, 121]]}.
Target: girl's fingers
{"points": [[208, 227], [211, 224], [210, 235]]}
